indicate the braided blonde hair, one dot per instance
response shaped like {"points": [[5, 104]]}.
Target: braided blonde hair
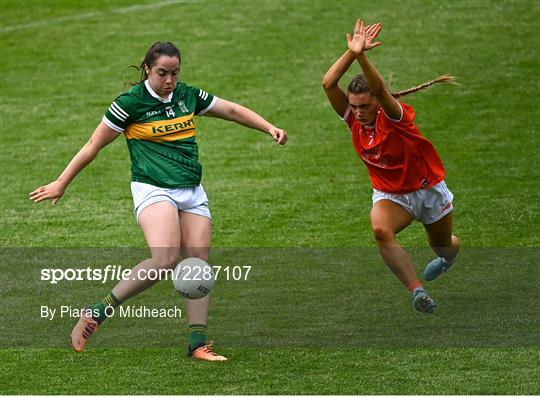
{"points": [[448, 79], [359, 85]]}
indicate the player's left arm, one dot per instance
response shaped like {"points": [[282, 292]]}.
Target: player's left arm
{"points": [[358, 44], [232, 111], [378, 87]]}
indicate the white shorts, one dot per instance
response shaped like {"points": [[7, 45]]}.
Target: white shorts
{"points": [[425, 205], [189, 199]]}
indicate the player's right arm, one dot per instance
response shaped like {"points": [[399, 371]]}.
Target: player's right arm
{"points": [[336, 96], [102, 136]]}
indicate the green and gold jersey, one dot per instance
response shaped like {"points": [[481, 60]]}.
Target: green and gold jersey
{"points": [[160, 133]]}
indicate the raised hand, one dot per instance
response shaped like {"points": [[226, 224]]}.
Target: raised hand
{"points": [[363, 37], [372, 31]]}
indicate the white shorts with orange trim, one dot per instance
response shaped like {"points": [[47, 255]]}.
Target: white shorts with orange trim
{"points": [[425, 205], [188, 199]]}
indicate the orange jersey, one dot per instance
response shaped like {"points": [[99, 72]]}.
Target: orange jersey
{"points": [[399, 159]]}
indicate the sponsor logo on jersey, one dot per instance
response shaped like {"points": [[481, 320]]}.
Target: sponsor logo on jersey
{"points": [[173, 127], [373, 157], [163, 130]]}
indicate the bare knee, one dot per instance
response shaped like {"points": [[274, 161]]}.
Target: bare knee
{"points": [[384, 236], [165, 258], [455, 242]]}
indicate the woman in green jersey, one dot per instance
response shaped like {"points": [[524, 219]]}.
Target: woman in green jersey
{"points": [[157, 118]]}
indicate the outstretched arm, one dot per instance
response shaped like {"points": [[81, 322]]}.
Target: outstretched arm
{"points": [[232, 111], [336, 96], [358, 45], [102, 136]]}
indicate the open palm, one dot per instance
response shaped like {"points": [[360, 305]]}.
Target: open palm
{"points": [[363, 37]]}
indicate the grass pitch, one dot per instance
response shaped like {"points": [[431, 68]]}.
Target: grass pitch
{"points": [[320, 314]]}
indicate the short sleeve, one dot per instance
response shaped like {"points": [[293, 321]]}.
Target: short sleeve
{"points": [[348, 117], [204, 100], [117, 116], [407, 114]]}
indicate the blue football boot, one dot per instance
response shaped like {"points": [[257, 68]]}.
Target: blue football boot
{"points": [[423, 302], [435, 268]]}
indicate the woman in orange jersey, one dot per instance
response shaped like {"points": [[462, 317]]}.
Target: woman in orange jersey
{"points": [[404, 167]]}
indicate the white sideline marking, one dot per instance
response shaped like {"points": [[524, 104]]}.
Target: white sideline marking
{"points": [[88, 15]]}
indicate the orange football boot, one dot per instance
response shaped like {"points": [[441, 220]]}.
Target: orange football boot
{"points": [[80, 333], [205, 353]]}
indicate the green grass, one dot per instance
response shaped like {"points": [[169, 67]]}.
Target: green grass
{"points": [[276, 371], [321, 314]]}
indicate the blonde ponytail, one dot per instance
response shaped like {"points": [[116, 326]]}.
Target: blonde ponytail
{"points": [[447, 79]]}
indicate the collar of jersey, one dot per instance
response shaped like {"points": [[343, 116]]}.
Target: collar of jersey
{"points": [[153, 93]]}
